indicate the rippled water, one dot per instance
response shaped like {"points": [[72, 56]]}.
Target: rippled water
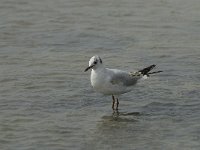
{"points": [[46, 100]]}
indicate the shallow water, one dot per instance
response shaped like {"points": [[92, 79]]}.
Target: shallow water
{"points": [[46, 100]]}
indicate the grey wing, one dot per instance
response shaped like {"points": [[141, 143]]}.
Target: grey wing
{"points": [[124, 78]]}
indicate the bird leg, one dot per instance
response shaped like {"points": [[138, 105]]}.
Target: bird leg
{"points": [[117, 104], [113, 104]]}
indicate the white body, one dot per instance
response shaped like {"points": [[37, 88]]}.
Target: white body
{"points": [[112, 81]]}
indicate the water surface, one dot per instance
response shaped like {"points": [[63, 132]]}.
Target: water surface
{"points": [[46, 100]]}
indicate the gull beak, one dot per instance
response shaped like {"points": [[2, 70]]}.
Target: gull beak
{"points": [[88, 68]]}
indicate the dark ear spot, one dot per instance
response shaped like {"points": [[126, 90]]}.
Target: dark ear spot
{"points": [[100, 60]]}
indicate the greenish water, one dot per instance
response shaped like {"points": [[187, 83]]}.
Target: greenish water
{"points": [[46, 100]]}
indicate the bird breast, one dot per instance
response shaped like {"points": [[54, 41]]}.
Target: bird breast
{"points": [[97, 81]]}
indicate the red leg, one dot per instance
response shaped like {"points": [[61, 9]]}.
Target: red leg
{"points": [[117, 104], [113, 104]]}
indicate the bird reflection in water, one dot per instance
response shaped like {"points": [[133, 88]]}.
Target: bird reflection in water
{"points": [[125, 116]]}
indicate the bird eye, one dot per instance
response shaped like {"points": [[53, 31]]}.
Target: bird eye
{"points": [[95, 62]]}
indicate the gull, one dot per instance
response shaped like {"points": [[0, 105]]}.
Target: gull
{"points": [[114, 82]]}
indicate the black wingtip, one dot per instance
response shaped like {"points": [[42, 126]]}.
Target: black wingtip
{"points": [[155, 72], [147, 69]]}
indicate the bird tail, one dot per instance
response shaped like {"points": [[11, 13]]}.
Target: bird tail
{"points": [[146, 71]]}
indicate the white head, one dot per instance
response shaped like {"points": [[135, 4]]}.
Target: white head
{"points": [[94, 63]]}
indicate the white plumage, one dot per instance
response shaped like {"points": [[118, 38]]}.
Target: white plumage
{"points": [[113, 81]]}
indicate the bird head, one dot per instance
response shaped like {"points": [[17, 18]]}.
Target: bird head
{"points": [[94, 63]]}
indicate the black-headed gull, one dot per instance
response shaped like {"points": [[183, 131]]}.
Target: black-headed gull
{"points": [[113, 81]]}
